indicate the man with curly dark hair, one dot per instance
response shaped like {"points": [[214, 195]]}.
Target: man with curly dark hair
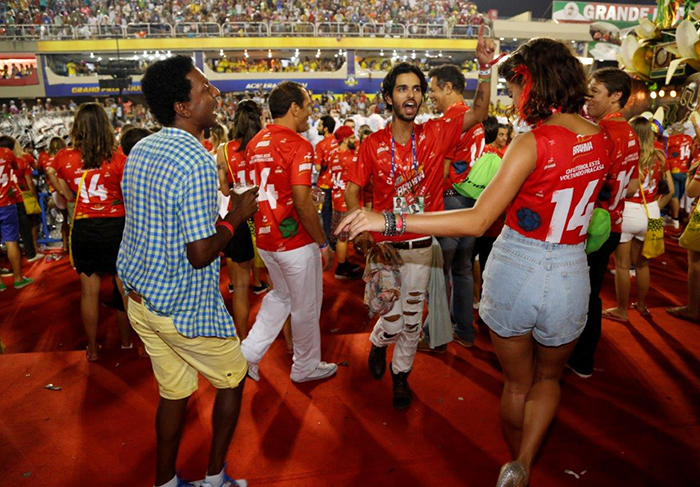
{"points": [[169, 262]]}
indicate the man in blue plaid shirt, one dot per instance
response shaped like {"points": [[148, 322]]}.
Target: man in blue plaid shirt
{"points": [[169, 262]]}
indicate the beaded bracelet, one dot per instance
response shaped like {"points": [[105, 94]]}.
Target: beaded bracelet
{"points": [[485, 80], [389, 224], [486, 72]]}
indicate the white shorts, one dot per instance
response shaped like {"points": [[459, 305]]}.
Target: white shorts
{"points": [[58, 200], [634, 220]]}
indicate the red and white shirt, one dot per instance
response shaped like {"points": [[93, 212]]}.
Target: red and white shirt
{"points": [[556, 201], [624, 168], [468, 150], [410, 179], [279, 158], [237, 166], [343, 161], [100, 193], [649, 180], [8, 169], [325, 152], [679, 150]]}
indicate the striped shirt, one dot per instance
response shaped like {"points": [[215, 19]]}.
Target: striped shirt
{"points": [[170, 193]]}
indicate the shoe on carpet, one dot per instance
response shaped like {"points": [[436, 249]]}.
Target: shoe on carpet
{"points": [[513, 474], [4, 272], [262, 288], [377, 361], [24, 282], [38, 256], [424, 346], [402, 392], [254, 371], [226, 482], [461, 341], [2, 286], [323, 371], [584, 374]]}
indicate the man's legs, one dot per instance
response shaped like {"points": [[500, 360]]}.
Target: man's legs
{"points": [[463, 290], [275, 308], [170, 418], [224, 419], [25, 229], [581, 360], [304, 279], [327, 213]]}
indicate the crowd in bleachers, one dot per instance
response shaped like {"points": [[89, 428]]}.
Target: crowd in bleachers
{"points": [[12, 70], [108, 12], [270, 65]]}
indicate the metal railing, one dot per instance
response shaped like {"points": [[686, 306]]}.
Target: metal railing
{"points": [[238, 29]]}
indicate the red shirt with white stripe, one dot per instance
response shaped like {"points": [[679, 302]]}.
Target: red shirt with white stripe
{"points": [[556, 201], [649, 180], [434, 139], [325, 152], [624, 168], [237, 167], [679, 150], [468, 150], [8, 169], [279, 158], [100, 193], [342, 163]]}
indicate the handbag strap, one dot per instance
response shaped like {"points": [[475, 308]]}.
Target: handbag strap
{"points": [[644, 200]]}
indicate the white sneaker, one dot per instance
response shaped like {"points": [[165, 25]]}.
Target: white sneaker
{"points": [[38, 256], [5, 272], [323, 370], [254, 371], [228, 482]]}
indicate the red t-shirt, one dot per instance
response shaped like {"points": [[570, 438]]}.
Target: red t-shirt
{"points": [[343, 161], [434, 139], [650, 182], [679, 151], [45, 161], [207, 145], [8, 170], [325, 152], [468, 150], [490, 149], [556, 201], [101, 193], [24, 169], [624, 167], [279, 158], [236, 163]]}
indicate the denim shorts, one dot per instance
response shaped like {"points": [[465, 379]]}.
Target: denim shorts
{"points": [[679, 179], [535, 286]]}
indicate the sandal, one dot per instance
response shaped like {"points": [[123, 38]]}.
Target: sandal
{"points": [[609, 316], [678, 313], [646, 311], [95, 357]]}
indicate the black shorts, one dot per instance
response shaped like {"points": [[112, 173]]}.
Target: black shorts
{"points": [[95, 245], [240, 248]]}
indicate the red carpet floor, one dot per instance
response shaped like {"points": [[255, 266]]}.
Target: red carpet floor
{"points": [[636, 422]]}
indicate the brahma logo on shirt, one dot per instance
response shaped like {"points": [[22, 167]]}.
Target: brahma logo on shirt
{"points": [[263, 143], [305, 167]]}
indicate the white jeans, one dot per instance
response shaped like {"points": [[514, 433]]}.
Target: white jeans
{"points": [[298, 289], [408, 309]]}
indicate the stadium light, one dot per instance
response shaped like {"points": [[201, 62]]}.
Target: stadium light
{"points": [[502, 38], [662, 93], [673, 93], [515, 39], [269, 53], [381, 53], [653, 95]]}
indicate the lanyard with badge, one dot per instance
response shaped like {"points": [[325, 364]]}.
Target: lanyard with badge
{"points": [[400, 203]]}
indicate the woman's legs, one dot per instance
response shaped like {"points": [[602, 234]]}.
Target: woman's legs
{"points": [[287, 330], [122, 318], [641, 267], [516, 356], [622, 280], [543, 399], [89, 310], [257, 272], [65, 230], [240, 278]]}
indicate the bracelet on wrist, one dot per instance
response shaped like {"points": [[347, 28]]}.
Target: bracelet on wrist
{"points": [[323, 246], [389, 224], [484, 80], [485, 72], [226, 225]]}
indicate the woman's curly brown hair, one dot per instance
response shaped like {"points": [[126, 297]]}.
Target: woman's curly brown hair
{"points": [[559, 81], [93, 135]]}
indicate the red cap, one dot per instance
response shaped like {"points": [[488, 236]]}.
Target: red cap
{"points": [[343, 132]]}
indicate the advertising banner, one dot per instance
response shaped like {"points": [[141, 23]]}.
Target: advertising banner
{"points": [[620, 15]]}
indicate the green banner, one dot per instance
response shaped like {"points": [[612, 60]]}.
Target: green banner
{"points": [[619, 15]]}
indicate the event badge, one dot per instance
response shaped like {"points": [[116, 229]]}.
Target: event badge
{"points": [[416, 208]]}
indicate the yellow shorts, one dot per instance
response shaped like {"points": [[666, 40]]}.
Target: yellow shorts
{"points": [[176, 359]]}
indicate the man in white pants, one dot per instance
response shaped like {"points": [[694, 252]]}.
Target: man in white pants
{"points": [[290, 238]]}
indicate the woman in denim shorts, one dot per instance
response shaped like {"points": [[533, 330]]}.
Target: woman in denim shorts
{"points": [[536, 283]]}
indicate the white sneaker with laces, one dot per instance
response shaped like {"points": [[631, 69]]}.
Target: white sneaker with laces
{"points": [[323, 370], [254, 371]]}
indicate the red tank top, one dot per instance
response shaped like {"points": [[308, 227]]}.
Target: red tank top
{"points": [[556, 201]]}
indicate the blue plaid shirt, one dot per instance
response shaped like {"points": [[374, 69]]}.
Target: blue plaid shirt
{"points": [[170, 193]]}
